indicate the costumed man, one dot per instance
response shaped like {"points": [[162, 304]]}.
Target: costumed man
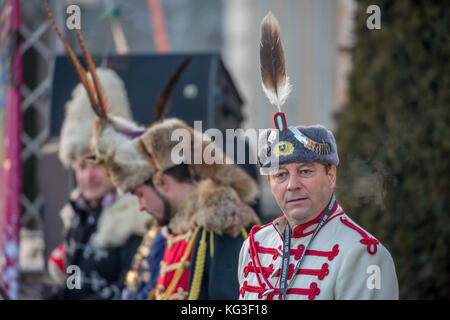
{"points": [[102, 229], [141, 279], [313, 250], [203, 207]]}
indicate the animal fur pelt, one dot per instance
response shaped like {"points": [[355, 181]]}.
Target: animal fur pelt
{"points": [[118, 154], [117, 222], [217, 208], [79, 118]]}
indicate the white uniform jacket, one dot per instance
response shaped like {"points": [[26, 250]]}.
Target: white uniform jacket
{"points": [[342, 262]]}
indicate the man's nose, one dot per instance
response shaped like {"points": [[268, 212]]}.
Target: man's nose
{"points": [[141, 206], [89, 174], [294, 182]]}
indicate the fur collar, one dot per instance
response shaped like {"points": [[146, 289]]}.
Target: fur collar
{"points": [[117, 222], [216, 207]]}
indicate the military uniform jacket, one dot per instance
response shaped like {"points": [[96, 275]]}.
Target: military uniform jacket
{"points": [[202, 245], [342, 262], [209, 270], [101, 242]]}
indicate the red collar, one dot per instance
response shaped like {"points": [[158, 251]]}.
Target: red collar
{"points": [[298, 231]]}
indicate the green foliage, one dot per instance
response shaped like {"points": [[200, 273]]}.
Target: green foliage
{"points": [[394, 140]]}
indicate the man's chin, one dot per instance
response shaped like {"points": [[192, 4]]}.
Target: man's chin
{"points": [[93, 196], [299, 216], [162, 222]]}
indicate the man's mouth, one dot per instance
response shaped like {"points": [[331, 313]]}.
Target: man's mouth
{"points": [[297, 200], [93, 185]]}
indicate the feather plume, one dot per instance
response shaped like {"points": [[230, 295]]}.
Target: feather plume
{"points": [[275, 82], [80, 71], [162, 104], [101, 109]]}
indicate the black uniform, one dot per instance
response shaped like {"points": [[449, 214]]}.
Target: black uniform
{"points": [[102, 270]]}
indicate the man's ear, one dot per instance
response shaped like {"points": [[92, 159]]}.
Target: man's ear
{"points": [[163, 183], [332, 176]]}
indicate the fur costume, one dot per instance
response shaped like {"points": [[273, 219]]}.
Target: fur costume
{"points": [[215, 207], [76, 130]]}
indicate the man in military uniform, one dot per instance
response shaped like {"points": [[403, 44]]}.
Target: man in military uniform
{"points": [[313, 250], [102, 229]]}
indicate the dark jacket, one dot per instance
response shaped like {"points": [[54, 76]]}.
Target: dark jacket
{"points": [[99, 244]]}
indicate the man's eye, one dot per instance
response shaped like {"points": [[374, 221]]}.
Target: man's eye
{"points": [[305, 172], [280, 175]]}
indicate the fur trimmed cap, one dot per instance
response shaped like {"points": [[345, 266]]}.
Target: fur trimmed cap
{"points": [[113, 146], [132, 157], [79, 117], [296, 144], [172, 142]]}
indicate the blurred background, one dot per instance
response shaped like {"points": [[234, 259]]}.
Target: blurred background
{"points": [[383, 91]]}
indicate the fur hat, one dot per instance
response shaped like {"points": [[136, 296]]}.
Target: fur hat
{"points": [[132, 158], [296, 144], [114, 147], [79, 117]]}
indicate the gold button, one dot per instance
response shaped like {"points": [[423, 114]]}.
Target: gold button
{"points": [[145, 276], [144, 251]]}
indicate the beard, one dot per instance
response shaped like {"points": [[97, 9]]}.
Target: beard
{"points": [[168, 212]]}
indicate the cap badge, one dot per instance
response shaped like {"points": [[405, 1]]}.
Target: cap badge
{"points": [[283, 148]]}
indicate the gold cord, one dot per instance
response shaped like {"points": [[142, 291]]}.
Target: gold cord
{"points": [[179, 272], [199, 268]]}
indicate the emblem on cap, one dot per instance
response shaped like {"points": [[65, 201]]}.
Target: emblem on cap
{"points": [[283, 148]]}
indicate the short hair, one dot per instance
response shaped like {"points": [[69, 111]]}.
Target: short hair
{"points": [[180, 173]]}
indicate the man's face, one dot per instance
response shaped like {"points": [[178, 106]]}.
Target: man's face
{"points": [[158, 207], [302, 189], [91, 179]]}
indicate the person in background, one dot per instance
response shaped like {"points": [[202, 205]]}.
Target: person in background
{"points": [[102, 230]]}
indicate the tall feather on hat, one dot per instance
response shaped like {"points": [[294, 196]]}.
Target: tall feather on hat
{"points": [[277, 88], [89, 101], [275, 81]]}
